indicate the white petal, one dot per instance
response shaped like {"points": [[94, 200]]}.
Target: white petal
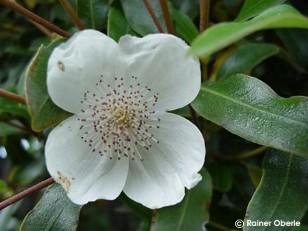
{"points": [[169, 165], [76, 65], [85, 175], [160, 61]]}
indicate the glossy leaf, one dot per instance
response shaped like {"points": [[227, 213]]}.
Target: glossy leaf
{"points": [[139, 18], [44, 113], [93, 13], [282, 193], [54, 212], [191, 213], [252, 8], [249, 108], [242, 59], [224, 34]]}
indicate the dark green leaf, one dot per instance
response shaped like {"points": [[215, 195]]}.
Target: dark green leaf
{"points": [[282, 193], [117, 24], [242, 59], [139, 18], [13, 108], [184, 27], [224, 34], [295, 42], [44, 113], [252, 8], [249, 108], [54, 212], [191, 213], [93, 13]]}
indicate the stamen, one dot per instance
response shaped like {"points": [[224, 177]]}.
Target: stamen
{"points": [[116, 119]]}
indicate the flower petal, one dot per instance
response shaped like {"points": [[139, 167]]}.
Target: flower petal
{"points": [[75, 67], [169, 165], [160, 61], [86, 175]]}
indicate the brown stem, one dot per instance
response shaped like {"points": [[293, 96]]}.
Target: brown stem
{"points": [[204, 23], [166, 15], [204, 14], [28, 14], [25, 193], [12, 96], [153, 15], [69, 9]]}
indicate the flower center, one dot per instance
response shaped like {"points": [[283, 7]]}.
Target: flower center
{"points": [[117, 119]]}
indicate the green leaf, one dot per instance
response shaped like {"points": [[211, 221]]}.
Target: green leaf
{"points": [[242, 59], [54, 212], [44, 113], [139, 18], [93, 13], [11, 107], [184, 27], [117, 24], [191, 213], [224, 34], [282, 193], [250, 109], [252, 8]]}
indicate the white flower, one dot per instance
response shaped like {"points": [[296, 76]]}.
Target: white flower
{"points": [[120, 137]]}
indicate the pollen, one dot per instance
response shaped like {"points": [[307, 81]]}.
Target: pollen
{"points": [[118, 119]]}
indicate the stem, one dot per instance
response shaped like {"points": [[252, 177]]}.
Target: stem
{"points": [[12, 96], [203, 24], [69, 9], [166, 15], [25, 193], [33, 17], [153, 16], [204, 14], [246, 155]]}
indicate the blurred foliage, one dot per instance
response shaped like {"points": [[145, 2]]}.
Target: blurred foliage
{"points": [[277, 57]]}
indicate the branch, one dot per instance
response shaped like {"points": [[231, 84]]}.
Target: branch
{"points": [[33, 17], [69, 9], [26, 193], [153, 16], [12, 96], [166, 15]]}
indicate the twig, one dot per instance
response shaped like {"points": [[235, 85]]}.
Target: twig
{"points": [[12, 96], [26, 193], [69, 9], [204, 14], [30, 15], [166, 15], [203, 24], [153, 16]]}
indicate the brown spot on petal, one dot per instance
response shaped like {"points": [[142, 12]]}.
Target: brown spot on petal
{"points": [[61, 65]]}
